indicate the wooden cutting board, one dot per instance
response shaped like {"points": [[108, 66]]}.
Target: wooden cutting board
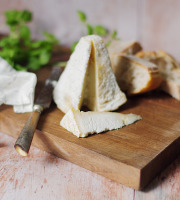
{"points": [[133, 155]]}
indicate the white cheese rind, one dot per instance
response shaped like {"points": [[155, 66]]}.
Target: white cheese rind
{"points": [[68, 92], [83, 124], [16, 88], [88, 79]]}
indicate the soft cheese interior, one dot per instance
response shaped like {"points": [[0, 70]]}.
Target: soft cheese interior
{"points": [[88, 79], [82, 123]]}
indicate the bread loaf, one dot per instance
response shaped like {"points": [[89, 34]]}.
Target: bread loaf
{"points": [[135, 75], [124, 47], [169, 69]]}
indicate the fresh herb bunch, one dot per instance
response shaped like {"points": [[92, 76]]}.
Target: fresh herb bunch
{"points": [[20, 51], [97, 29]]}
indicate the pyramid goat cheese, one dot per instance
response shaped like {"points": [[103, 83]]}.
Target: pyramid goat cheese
{"points": [[16, 88], [83, 124], [88, 79]]}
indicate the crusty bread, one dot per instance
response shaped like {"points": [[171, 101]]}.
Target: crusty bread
{"points": [[124, 47], [169, 69], [161, 58], [135, 75]]}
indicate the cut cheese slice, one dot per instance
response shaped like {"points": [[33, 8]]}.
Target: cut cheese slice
{"points": [[88, 79], [17, 88], [83, 124]]}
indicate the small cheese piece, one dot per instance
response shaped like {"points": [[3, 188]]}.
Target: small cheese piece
{"points": [[88, 79], [135, 75], [83, 124], [16, 88]]}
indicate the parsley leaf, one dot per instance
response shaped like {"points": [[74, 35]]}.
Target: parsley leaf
{"points": [[44, 57], [26, 16], [114, 35], [81, 16], [33, 63], [97, 29], [90, 29], [24, 32], [19, 49], [50, 38], [100, 30]]}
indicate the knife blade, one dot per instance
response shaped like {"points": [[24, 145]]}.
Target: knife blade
{"points": [[43, 101]]}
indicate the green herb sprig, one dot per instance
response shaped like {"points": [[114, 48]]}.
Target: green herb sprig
{"points": [[97, 29], [21, 52]]}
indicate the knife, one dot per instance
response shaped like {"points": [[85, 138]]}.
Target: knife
{"points": [[42, 102]]}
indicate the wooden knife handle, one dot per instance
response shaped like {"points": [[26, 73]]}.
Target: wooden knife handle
{"points": [[24, 140]]}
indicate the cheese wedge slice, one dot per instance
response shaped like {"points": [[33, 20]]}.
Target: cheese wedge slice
{"points": [[83, 124], [17, 88], [88, 79]]}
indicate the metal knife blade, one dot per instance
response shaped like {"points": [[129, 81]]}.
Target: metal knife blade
{"points": [[42, 102], [45, 96]]}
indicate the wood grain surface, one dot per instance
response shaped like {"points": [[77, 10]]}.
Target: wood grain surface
{"points": [[41, 175], [133, 155]]}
